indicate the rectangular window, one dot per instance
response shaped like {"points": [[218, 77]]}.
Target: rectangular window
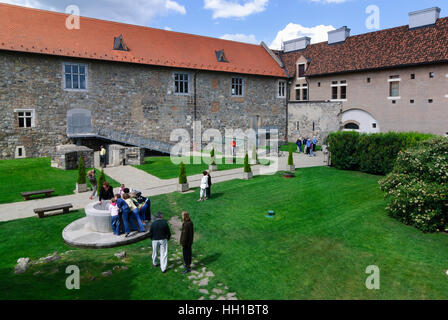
{"points": [[431, 74], [301, 70], [237, 87], [281, 89], [25, 118], [298, 93], [305, 92], [181, 83], [343, 92], [412, 76], [394, 89], [334, 93], [75, 76]]}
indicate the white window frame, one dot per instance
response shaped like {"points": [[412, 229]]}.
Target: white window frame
{"points": [[33, 117], [242, 87], [16, 153], [338, 84], [280, 89], [86, 74], [304, 71], [300, 87], [395, 78], [188, 83]]}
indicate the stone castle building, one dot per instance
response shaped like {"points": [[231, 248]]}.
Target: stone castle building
{"points": [[133, 85]]}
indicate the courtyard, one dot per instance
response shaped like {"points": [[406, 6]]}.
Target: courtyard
{"points": [[330, 225]]}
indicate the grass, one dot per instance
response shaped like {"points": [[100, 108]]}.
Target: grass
{"points": [[24, 175], [329, 227], [163, 168]]}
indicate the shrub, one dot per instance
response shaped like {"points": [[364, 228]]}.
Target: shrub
{"points": [[101, 180], [212, 156], [246, 164], [343, 148], [81, 171], [370, 153], [290, 159], [182, 174], [417, 188]]}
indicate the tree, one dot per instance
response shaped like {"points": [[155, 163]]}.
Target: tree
{"points": [[212, 156], [101, 180], [182, 174], [247, 168], [290, 158], [81, 171]]}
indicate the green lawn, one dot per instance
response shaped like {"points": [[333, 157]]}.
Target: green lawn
{"points": [[24, 175], [329, 226], [163, 168]]}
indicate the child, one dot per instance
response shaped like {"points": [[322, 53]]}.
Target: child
{"points": [[134, 212], [121, 192], [115, 221], [204, 186]]}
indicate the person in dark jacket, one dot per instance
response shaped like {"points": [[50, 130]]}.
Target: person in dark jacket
{"points": [[208, 189], [299, 145], [160, 233], [106, 192], [186, 240]]}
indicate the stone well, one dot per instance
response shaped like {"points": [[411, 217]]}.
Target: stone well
{"points": [[95, 232]]}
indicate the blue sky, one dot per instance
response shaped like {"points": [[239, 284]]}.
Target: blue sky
{"points": [[271, 21]]}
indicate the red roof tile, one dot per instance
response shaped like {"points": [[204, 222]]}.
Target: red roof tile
{"points": [[388, 48], [39, 31]]}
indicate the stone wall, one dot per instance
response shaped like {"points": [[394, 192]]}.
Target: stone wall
{"points": [[66, 157], [127, 99], [308, 119]]}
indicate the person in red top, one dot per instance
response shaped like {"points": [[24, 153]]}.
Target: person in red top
{"points": [[233, 145]]}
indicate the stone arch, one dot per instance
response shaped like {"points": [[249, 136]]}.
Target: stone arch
{"points": [[363, 119], [79, 121]]}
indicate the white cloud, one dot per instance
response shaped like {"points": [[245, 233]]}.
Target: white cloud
{"points": [[293, 31], [140, 12], [235, 9], [167, 29], [248, 38]]}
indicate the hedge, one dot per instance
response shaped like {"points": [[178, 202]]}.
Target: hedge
{"points": [[371, 153]]}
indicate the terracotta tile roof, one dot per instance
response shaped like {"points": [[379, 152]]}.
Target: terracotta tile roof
{"points": [[376, 50], [39, 31]]}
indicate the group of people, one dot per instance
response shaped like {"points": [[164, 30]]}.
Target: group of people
{"points": [[130, 211], [307, 146]]}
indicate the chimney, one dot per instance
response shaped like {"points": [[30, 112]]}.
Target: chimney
{"points": [[296, 44], [424, 17], [338, 35]]}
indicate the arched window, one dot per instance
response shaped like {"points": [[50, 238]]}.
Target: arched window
{"points": [[351, 126]]}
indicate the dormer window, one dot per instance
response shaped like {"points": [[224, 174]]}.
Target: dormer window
{"points": [[221, 56], [119, 44]]}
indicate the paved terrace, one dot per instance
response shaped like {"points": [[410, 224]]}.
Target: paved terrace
{"points": [[148, 184]]}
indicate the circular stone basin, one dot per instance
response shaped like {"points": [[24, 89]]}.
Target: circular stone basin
{"points": [[99, 217]]}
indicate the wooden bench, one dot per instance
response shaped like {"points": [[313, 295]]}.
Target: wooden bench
{"points": [[64, 207], [27, 195]]}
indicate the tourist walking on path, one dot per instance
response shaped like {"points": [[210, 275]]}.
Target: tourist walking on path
{"points": [[106, 192], [233, 147], [93, 182], [186, 240], [103, 156], [160, 233], [208, 190], [204, 186], [304, 146], [314, 141], [309, 146], [299, 144], [115, 218]]}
